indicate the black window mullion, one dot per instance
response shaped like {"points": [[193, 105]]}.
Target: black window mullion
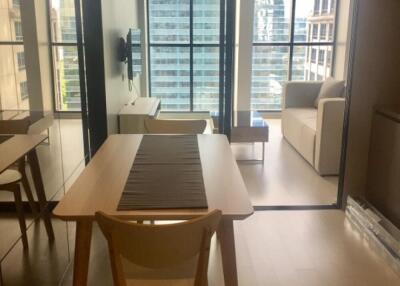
{"points": [[191, 54], [291, 49]]}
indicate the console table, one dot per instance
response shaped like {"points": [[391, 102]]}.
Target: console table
{"points": [[132, 116]]}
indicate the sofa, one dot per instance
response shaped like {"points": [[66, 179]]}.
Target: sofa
{"points": [[313, 125]]}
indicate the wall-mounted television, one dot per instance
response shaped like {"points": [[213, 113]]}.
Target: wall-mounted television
{"points": [[130, 52], [134, 53]]}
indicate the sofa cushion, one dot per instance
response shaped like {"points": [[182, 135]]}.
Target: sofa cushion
{"points": [[299, 128], [330, 88]]}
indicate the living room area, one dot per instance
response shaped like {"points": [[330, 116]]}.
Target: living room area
{"points": [[288, 92], [257, 117]]}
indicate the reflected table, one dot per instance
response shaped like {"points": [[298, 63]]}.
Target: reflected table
{"points": [[15, 147], [248, 127], [100, 185]]}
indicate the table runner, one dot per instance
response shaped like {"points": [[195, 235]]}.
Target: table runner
{"points": [[4, 138], [166, 174]]}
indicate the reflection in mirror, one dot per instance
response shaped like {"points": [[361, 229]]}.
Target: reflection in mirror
{"points": [[51, 149]]}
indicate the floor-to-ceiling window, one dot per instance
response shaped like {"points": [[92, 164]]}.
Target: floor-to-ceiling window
{"points": [[184, 53], [13, 81], [293, 40], [65, 55]]}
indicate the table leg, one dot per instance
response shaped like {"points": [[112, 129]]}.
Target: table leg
{"points": [[83, 238], [225, 235], [263, 151], [37, 180]]}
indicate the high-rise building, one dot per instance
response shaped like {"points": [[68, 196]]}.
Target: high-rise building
{"points": [[320, 28], [184, 58], [281, 53], [270, 62], [13, 81]]}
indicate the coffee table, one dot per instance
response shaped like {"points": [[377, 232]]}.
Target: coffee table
{"points": [[247, 127]]}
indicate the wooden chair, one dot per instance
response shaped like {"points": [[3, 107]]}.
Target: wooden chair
{"points": [[10, 179], [160, 248], [156, 126]]}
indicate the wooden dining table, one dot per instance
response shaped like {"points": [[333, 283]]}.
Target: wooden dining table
{"points": [[100, 185], [16, 147]]}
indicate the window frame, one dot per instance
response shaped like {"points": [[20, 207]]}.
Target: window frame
{"points": [[191, 45], [292, 44]]}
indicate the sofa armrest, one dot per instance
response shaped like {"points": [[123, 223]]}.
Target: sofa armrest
{"points": [[328, 144], [300, 93]]}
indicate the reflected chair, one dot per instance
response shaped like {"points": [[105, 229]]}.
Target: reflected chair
{"points": [[168, 254], [157, 126], [10, 179]]}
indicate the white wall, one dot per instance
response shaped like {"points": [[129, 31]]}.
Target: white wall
{"points": [[343, 36], [117, 18]]}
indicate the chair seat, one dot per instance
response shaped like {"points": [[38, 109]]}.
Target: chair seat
{"points": [[10, 176]]}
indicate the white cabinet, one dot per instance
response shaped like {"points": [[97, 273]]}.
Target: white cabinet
{"points": [[132, 116]]}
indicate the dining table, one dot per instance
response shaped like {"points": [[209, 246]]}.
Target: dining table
{"points": [[100, 185], [15, 147]]}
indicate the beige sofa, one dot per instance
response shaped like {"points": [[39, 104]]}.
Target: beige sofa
{"points": [[316, 133]]}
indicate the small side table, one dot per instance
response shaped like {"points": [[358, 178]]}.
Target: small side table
{"points": [[248, 127]]}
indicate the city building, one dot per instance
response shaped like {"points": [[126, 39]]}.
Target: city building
{"points": [[184, 58], [13, 82], [320, 29]]}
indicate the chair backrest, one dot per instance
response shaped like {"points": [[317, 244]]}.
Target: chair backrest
{"points": [[159, 246], [156, 126], [19, 126]]}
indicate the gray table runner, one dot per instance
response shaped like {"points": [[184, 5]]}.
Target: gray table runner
{"points": [[166, 174]]}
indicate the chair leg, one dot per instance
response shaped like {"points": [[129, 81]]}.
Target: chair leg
{"points": [[21, 216], [28, 190]]}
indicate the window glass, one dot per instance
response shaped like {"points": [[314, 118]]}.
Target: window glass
{"points": [[170, 77], [12, 77], [66, 78], [171, 54], [169, 21], [307, 15], [322, 32], [325, 6], [272, 21], [18, 31], [13, 88], [206, 79], [62, 19], [321, 57], [311, 48], [270, 71], [65, 55], [317, 7], [206, 20], [23, 86], [331, 32]]}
